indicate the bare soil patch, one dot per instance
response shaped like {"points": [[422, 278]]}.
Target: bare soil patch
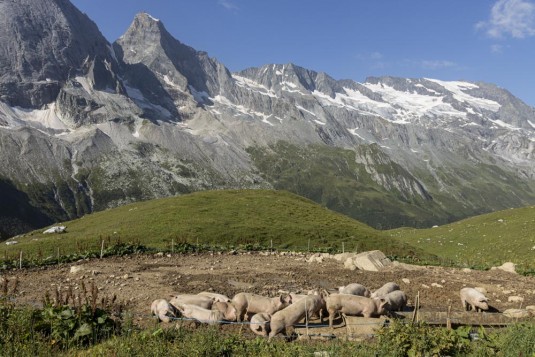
{"points": [[139, 279]]}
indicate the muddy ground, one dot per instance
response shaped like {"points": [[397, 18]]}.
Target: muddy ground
{"points": [[139, 279]]}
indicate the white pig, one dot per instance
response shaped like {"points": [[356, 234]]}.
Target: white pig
{"points": [[385, 289], [395, 300], [246, 303], [260, 324], [162, 309], [190, 299], [471, 299], [354, 289], [200, 314], [354, 305], [215, 296], [228, 310], [294, 313]]}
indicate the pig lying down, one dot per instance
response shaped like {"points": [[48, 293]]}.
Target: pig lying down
{"points": [[191, 299], [212, 317], [163, 310], [216, 297]]}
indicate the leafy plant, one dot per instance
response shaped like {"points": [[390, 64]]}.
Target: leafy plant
{"points": [[404, 339]]}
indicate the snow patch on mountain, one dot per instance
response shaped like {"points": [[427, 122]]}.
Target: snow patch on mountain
{"points": [[242, 110], [305, 110], [457, 88], [38, 118], [253, 86], [412, 105]]}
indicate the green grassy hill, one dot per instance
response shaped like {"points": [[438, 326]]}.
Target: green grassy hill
{"points": [[229, 217], [482, 241]]}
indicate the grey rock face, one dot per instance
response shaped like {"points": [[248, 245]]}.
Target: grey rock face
{"points": [[43, 43]]}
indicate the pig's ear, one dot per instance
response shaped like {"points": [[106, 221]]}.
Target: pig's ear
{"points": [[281, 298], [383, 302]]}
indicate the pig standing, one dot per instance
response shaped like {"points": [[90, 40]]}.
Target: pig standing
{"points": [[163, 310], [260, 324], [200, 314], [294, 313], [354, 289], [385, 289], [471, 299], [228, 310], [250, 303], [354, 305], [190, 299], [395, 300]]}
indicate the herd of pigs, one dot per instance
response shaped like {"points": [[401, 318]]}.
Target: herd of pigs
{"points": [[271, 316]]}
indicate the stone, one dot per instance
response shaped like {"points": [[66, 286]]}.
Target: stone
{"points": [[349, 264], [515, 298], [374, 260], [406, 281], [508, 267], [76, 269], [482, 290], [516, 313], [342, 257]]}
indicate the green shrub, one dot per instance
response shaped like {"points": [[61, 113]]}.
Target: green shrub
{"points": [[404, 339]]}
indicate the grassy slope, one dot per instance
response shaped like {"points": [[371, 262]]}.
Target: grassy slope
{"points": [[332, 177], [486, 240], [216, 217]]}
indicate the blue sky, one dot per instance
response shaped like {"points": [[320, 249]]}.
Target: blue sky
{"points": [[477, 40]]}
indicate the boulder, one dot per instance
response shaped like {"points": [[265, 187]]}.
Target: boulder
{"points": [[516, 313], [515, 298], [55, 229], [481, 289], [508, 267], [76, 269], [374, 260], [342, 257], [349, 264]]}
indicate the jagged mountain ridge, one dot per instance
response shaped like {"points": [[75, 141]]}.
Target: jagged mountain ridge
{"points": [[148, 117]]}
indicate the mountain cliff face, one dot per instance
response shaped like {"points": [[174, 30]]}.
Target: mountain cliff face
{"points": [[86, 125]]}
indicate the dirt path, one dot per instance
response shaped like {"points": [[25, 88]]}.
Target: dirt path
{"points": [[139, 279]]}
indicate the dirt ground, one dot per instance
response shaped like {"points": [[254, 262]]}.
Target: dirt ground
{"points": [[139, 279]]}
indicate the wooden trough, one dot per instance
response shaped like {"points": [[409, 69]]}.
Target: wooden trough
{"points": [[360, 328]]}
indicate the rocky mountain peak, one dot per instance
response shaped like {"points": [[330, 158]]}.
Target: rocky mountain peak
{"points": [[148, 50], [42, 44]]}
